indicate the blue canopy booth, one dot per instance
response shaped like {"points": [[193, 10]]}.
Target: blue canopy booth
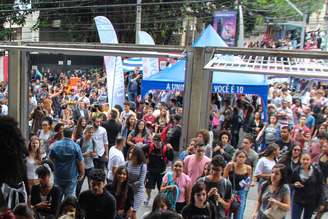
{"points": [[172, 79]]}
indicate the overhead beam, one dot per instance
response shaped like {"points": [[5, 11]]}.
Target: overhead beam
{"points": [[89, 52], [103, 46], [121, 46], [269, 52], [271, 73]]}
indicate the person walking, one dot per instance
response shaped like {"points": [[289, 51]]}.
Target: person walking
{"points": [[136, 175], [113, 127], [158, 154], [219, 189], [307, 181], [100, 137], [97, 202], [273, 196], [182, 181], [240, 175], [69, 163], [116, 158], [194, 164], [199, 206], [88, 148]]}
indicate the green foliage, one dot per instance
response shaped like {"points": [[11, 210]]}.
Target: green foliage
{"points": [[257, 12], [8, 14], [162, 21]]}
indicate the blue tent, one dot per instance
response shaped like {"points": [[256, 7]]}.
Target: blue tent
{"points": [[209, 38], [172, 78]]}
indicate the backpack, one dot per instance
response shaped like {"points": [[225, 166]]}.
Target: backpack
{"points": [[172, 195], [152, 147]]}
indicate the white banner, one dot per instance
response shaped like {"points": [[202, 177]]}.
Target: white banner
{"points": [[150, 65], [113, 64]]}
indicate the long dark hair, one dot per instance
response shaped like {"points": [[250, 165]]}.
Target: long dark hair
{"points": [[136, 129], [127, 122], [79, 128], [12, 152], [38, 151], [269, 150], [283, 180], [288, 157], [139, 154], [161, 197], [123, 191]]}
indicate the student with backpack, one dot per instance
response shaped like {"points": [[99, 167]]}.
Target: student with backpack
{"points": [[177, 186], [157, 156]]}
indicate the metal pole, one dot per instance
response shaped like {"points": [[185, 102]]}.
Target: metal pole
{"points": [[138, 20], [302, 42], [241, 27]]}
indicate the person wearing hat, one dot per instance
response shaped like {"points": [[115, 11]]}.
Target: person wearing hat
{"points": [[157, 154], [116, 157]]}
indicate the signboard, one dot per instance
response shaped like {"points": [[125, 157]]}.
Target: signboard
{"points": [[225, 23]]}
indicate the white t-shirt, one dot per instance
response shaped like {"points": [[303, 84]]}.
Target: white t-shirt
{"points": [[264, 166], [115, 159], [100, 137]]}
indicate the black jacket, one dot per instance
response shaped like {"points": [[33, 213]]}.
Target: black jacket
{"points": [[53, 196], [173, 137], [312, 190], [113, 128], [128, 203]]}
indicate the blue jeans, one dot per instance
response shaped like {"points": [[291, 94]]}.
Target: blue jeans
{"points": [[243, 199], [298, 209], [68, 188]]}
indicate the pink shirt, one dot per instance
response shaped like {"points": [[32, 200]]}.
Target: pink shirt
{"points": [[194, 168], [183, 182]]}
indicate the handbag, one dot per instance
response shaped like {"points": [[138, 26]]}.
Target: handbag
{"points": [[234, 202], [274, 212]]}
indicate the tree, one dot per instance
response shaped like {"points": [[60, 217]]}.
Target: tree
{"points": [[161, 18], [9, 14]]}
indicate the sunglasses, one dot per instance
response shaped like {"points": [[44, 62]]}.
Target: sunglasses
{"points": [[296, 149]]}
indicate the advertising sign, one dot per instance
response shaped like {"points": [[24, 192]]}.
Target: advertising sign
{"points": [[225, 23]]}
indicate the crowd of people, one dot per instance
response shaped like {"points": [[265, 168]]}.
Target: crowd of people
{"points": [[313, 40], [122, 154]]}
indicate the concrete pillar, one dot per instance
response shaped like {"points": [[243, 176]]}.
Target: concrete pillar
{"points": [[14, 78], [198, 86], [18, 89], [24, 94]]}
